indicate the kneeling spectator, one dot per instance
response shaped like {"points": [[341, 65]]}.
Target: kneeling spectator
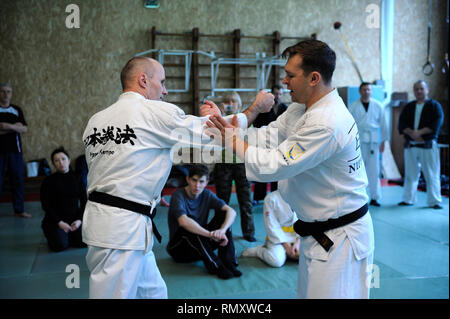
{"points": [[282, 242], [63, 198], [192, 238]]}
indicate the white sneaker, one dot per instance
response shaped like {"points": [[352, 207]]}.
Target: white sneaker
{"points": [[250, 252]]}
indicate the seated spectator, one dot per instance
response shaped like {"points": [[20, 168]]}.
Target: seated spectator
{"points": [[192, 238], [63, 198], [281, 242]]}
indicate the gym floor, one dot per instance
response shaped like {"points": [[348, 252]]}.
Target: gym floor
{"points": [[411, 258]]}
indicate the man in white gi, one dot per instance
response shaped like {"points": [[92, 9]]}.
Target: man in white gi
{"points": [[369, 116], [321, 175], [420, 122], [281, 241], [128, 152]]}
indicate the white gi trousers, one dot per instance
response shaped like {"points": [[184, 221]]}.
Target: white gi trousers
{"points": [[428, 161], [124, 274], [272, 254], [372, 164], [344, 272]]}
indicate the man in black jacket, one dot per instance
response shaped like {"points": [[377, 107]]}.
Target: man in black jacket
{"points": [[419, 123], [12, 124]]}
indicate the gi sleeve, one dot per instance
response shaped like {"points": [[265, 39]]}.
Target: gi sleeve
{"points": [[177, 128], [384, 131], [269, 136], [302, 151]]}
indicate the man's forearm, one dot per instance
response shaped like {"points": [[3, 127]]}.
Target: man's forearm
{"points": [[16, 127], [192, 226], [229, 217], [251, 113]]}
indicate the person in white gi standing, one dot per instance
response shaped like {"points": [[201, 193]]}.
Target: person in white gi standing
{"points": [[128, 152], [419, 123], [281, 241], [321, 175], [369, 116]]}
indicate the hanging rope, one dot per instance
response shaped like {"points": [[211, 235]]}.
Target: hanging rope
{"points": [[428, 67]]}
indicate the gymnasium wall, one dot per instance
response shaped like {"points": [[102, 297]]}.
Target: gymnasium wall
{"points": [[62, 76]]}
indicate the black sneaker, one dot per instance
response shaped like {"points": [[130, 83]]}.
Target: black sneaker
{"points": [[224, 273], [437, 206], [373, 202], [249, 238], [404, 204], [236, 272]]}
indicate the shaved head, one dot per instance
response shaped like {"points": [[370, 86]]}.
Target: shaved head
{"points": [[134, 67]]}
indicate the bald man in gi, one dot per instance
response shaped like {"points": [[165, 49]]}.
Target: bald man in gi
{"points": [[128, 152]]}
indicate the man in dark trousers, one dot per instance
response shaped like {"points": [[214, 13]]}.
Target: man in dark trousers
{"points": [[264, 119], [419, 123], [192, 238], [12, 124]]}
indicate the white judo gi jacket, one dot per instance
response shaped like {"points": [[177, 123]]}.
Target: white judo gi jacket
{"points": [[128, 152], [373, 130], [279, 219], [317, 161]]}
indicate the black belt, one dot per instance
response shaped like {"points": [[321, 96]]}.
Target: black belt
{"points": [[317, 229], [417, 145], [110, 200]]}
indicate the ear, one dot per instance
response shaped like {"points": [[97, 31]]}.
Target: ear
{"points": [[316, 77], [142, 80]]}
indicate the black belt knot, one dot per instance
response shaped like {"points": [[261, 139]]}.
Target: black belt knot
{"points": [[114, 201], [317, 229]]}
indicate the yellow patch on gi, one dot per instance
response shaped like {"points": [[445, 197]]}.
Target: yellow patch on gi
{"points": [[295, 151]]}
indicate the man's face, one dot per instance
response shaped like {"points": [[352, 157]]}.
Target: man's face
{"points": [[196, 184], [5, 95], [277, 95], [366, 92], [421, 91], [156, 89], [296, 81]]}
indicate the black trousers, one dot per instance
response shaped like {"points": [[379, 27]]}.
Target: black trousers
{"points": [[224, 174], [187, 247], [59, 240], [261, 190]]}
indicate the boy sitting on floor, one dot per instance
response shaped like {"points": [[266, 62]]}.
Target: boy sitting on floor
{"points": [[192, 238]]}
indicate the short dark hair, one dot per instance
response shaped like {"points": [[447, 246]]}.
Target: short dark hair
{"points": [[276, 87], [317, 56], [59, 150], [128, 69], [364, 84], [200, 170]]}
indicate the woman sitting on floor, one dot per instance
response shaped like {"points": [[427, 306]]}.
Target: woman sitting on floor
{"points": [[63, 197]]}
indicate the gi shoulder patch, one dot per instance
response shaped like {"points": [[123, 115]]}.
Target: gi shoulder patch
{"points": [[295, 151]]}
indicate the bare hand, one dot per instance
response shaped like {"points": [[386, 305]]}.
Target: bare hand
{"points": [[209, 109], [218, 125], [219, 236], [75, 225], [264, 101], [64, 226]]}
